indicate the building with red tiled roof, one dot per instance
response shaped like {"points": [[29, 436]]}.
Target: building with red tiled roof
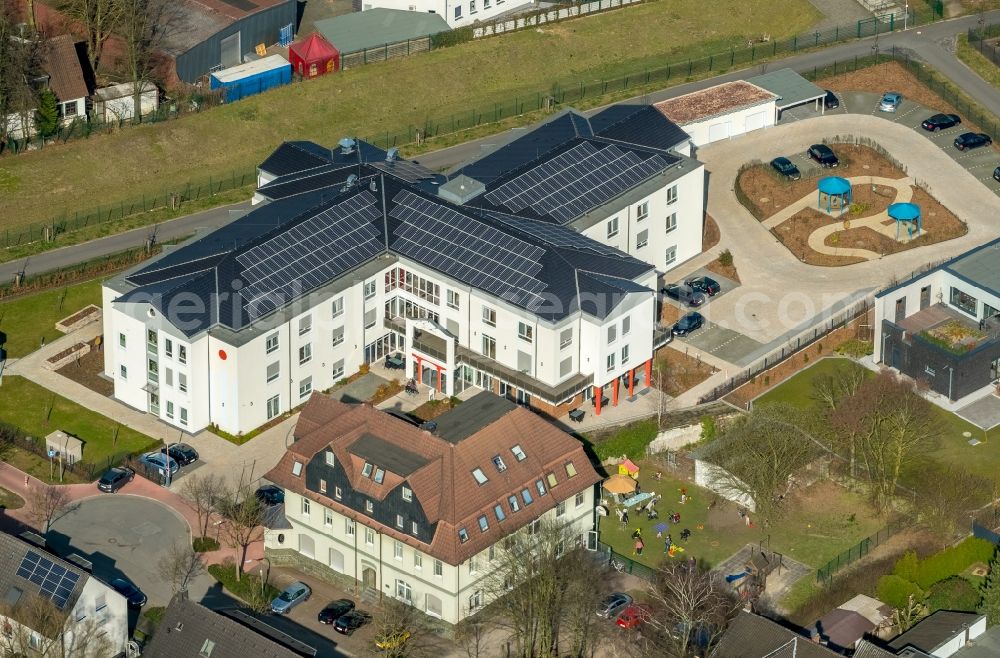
{"points": [[415, 512], [62, 65]]}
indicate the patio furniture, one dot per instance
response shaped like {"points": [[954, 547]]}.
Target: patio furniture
{"points": [[576, 415], [604, 401], [636, 499], [395, 362]]}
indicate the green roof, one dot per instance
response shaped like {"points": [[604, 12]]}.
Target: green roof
{"points": [[377, 27], [790, 87]]}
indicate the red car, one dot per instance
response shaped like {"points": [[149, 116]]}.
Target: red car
{"points": [[634, 615]]}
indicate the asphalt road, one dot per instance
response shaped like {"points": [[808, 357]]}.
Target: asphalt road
{"points": [[933, 43]]}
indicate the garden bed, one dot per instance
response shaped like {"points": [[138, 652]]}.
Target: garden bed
{"points": [[683, 371], [79, 319], [68, 355], [88, 370]]}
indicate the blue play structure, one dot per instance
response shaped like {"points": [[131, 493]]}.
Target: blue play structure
{"points": [[835, 191], [909, 214], [736, 576], [252, 78]]}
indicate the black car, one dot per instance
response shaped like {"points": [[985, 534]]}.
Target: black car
{"points": [[182, 453], [705, 284], [132, 594], [823, 154], [967, 141], [688, 323], [115, 478], [335, 610], [270, 494], [786, 168], [684, 294], [830, 100], [996, 174], [940, 122], [352, 621]]}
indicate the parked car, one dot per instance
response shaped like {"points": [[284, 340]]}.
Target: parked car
{"points": [[967, 141], [786, 168], [352, 621], [830, 101], [684, 294], [293, 595], [334, 610], [132, 594], [823, 154], [705, 284], [393, 640], [157, 461], [940, 122], [182, 453], [634, 615], [612, 604], [890, 101], [996, 174], [688, 323], [115, 478], [270, 494]]}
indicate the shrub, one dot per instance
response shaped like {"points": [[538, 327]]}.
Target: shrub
{"points": [[907, 566], [707, 428], [855, 348], [895, 590], [204, 544], [953, 561], [631, 440], [955, 593], [726, 258], [248, 588]]}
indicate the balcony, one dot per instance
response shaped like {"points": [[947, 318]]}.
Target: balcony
{"points": [[950, 331], [431, 345], [519, 380]]}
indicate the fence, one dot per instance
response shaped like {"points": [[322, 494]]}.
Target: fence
{"points": [[80, 272], [978, 39], [824, 575], [384, 52], [555, 14], [986, 524], [623, 564]]}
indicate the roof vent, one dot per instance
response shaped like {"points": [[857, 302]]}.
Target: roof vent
{"points": [[372, 186], [33, 538], [351, 181], [392, 154], [81, 562], [429, 426], [347, 146]]}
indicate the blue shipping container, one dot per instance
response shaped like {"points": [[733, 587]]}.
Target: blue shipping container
{"points": [[252, 77]]}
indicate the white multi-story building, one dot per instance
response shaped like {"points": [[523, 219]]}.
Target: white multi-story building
{"points": [[419, 514], [483, 279], [457, 13]]}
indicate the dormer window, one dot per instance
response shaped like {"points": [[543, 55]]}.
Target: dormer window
{"points": [[379, 475], [297, 468], [518, 453], [369, 506], [463, 535], [366, 471], [570, 469], [498, 462], [484, 524], [330, 459], [480, 476], [526, 496]]}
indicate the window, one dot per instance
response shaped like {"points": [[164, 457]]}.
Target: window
{"points": [[463, 535], [611, 361], [930, 371], [525, 332], [407, 494], [322, 486], [330, 458], [349, 526], [151, 340], [403, 591], [473, 565], [70, 110], [612, 227], [486, 4], [671, 223], [182, 354], [123, 371], [121, 340], [512, 501], [566, 366], [458, 12], [453, 299], [472, 6], [305, 387], [498, 512], [369, 289], [526, 497], [399, 521], [338, 369], [153, 371], [551, 477], [565, 338], [271, 344], [540, 486], [397, 550], [612, 334], [370, 319], [438, 568], [414, 529], [484, 523], [480, 476], [328, 518], [35, 641], [168, 347], [369, 536], [273, 371], [963, 301], [642, 211], [489, 346], [476, 600], [366, 470], [626, 325], [337, 307], [642, 239], [170, 410], [580, 498], [338, 336], [560, 508], [492, 553], [369, 506], [306, 505], [206, 648], [570, 469], [498, 462], [670, 256], [305, 354], [379, 475], [671, 194], [532, 528], [418, 560], [489, 316], [625, 355], [297, 468], [518, 452], [337, 493], [273, 406], [182, 382]]}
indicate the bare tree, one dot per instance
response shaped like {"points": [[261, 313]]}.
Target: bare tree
{"points": [[906, 617], [143, 26], [99, 19], [400, 628], [33, 626], [244, 518], [45, 504], [828, 391], [660, 373], [20, 66], [947, 494], [179, 566], [688, 604], [204, 494], [470, 634]]}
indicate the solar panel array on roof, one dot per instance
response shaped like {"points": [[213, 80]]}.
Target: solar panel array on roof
{"points": [[310, 254], [411, 172], [557, 236], [55, 582], [468, 250], [575, 181]]}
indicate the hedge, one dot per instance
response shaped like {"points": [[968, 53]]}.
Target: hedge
{"points": [[895, 590], [949, 562], [631, 440], [955, 593]]}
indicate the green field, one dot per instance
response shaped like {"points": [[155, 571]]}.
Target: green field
{"points": [[372, 99], [27, 320]]}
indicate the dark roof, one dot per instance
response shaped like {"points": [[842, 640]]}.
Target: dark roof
{"points": [[934, 630], [195, 21], [753, 636], [187, 626], [471, 416], [293, 157], [62, 63], [25, 567], [638, 124], [866, 649], [387, 455], [842, 628], [978, 266]]}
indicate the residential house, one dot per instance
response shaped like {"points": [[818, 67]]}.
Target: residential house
{"points": [[941, 634], [62, 64], [420, 513], [753, 636], [843, 628]]}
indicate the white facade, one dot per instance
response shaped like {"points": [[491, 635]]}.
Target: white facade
{"points": [[457, 13], [448, 591], [731, 124], [116, 103]]}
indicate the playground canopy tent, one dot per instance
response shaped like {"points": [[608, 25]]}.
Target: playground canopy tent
{"points": [[833, 188], [619, 484], [313, 56], [906, 212], [629, 468]]}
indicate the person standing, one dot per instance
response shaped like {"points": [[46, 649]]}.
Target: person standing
{"points": [[666, 544]]}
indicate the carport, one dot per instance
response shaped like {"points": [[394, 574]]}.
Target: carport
{"points": [[791, 89]]}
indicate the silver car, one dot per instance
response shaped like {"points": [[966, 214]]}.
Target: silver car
{"points": [[612, 604], [890, 101], [293, 595]]}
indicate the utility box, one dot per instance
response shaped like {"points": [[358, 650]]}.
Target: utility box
{"points": [[252, 77]]}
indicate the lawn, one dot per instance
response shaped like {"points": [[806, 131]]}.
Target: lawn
{"points": [[27, 405], [10, 500], [27, 320], [389, 96]]}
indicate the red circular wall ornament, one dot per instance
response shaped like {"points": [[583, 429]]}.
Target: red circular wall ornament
{"points": [[222, 355]]}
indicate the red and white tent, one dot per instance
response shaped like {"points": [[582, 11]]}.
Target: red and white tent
{"points": [[313, 56]]}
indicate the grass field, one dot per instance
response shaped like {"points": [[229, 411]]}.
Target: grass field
{"points": [[27, 320], [972, 58], [387, 96]]}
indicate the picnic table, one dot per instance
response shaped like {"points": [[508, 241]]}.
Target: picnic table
{"points": [[576, 415], [395, 362], [637, 499]]}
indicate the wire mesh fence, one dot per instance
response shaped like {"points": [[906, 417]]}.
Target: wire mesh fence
{"points": [[985, 40], [824, 575], [623, 564]]}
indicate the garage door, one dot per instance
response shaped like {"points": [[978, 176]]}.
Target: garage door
{"points": [[718, 131], [755, 121]]}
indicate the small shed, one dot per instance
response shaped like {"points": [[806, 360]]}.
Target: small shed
{"points": [[313, 56], [378, 27], [791, 89], [116, 103], [66, 447], [252, 77]]}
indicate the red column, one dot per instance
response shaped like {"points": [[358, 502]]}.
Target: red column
{"points": [[439, 378], [649, 373], [598, 394], [418, 375], [631, 382], [614, 393]]}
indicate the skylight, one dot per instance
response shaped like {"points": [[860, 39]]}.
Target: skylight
{"points": [[518, 452], [296, 468], [570, 469], [498, 462], [463, 535], [367, 470], [379, 475], [484, 525], [480, 476], [552, 480]]}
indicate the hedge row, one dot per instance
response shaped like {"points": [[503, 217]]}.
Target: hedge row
{"points": [[949, 562]]}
